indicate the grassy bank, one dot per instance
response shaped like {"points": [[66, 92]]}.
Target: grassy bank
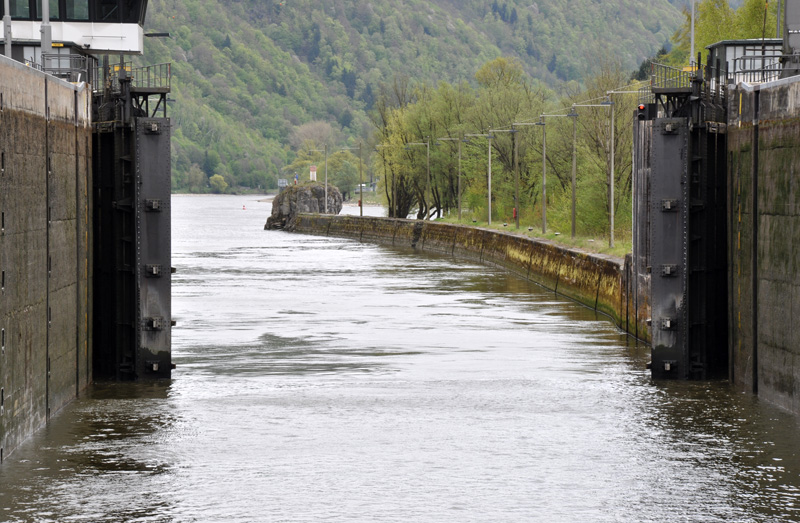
{"points": [[622, 245]]}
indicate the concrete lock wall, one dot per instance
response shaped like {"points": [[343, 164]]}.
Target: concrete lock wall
{"points": [[45, 181], [764, 240], [597, 281]]}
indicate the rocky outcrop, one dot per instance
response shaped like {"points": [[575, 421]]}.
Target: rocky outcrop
{"points": [[304, 198]]}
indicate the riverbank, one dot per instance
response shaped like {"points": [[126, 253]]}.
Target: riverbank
{"points": [[602, 282]]}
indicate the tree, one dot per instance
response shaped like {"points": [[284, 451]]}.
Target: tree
{"points": [[211, 162], [644, 69], [218, 183], [314, 134], [195, 178], [715, 21]]}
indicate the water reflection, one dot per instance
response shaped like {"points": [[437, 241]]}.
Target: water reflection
{"points": [[94, 461], [322, 379]]}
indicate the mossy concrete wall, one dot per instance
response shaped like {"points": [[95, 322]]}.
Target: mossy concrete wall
{"points": [[45, 248], [764, 240], [597, 281]]}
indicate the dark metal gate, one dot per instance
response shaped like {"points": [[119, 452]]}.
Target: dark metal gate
{"points": [[132, 173], [687, 232]]}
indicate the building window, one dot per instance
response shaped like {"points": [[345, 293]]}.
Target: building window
{"points": [[107, 11], [77, 9], [55, 14], [20, 9]]}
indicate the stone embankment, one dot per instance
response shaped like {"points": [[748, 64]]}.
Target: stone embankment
{"points": [[45, 248], [602, 283]]}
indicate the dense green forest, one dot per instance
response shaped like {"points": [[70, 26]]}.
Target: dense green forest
{"points": [[254, 79]]}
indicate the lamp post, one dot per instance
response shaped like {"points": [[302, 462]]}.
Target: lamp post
{"points": [[544, 166], [458, 196], [326, 174], [611, 177], [544, 173], [513, 132], [516, 164], [608, 103], [360, 183], [613, 141], [574, 116], [427, 145], [488, 175]]}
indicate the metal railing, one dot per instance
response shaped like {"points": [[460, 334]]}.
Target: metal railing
{"points": [[157, 77], [713, 86], [758, 67], [69, 67], [668, 77]]}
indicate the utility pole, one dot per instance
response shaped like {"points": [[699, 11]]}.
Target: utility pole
{"points": [[608, 103], [325, 149]]}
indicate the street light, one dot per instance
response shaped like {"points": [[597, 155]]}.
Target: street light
{"points": [[427, 145], [516, 166], [513, 132], [360, 183], [488, 174], [612, 177], [544, 166], [574, 116], [326, 174], [608, 103], [459, 140]]}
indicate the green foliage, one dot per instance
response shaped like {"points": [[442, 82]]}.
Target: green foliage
{"points": [[506, 96], [247, 73], [716, 20], [218, 183]]}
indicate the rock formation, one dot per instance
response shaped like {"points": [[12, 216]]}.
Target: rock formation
{"points": [[306, 197]]}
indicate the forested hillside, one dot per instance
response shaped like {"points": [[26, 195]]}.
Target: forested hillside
{"points": [[251, 76]]}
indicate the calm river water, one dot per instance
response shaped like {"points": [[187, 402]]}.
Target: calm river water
{"points": [[320, 379]]}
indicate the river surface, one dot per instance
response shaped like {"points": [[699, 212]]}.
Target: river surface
{"points": [[320, 379]]}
